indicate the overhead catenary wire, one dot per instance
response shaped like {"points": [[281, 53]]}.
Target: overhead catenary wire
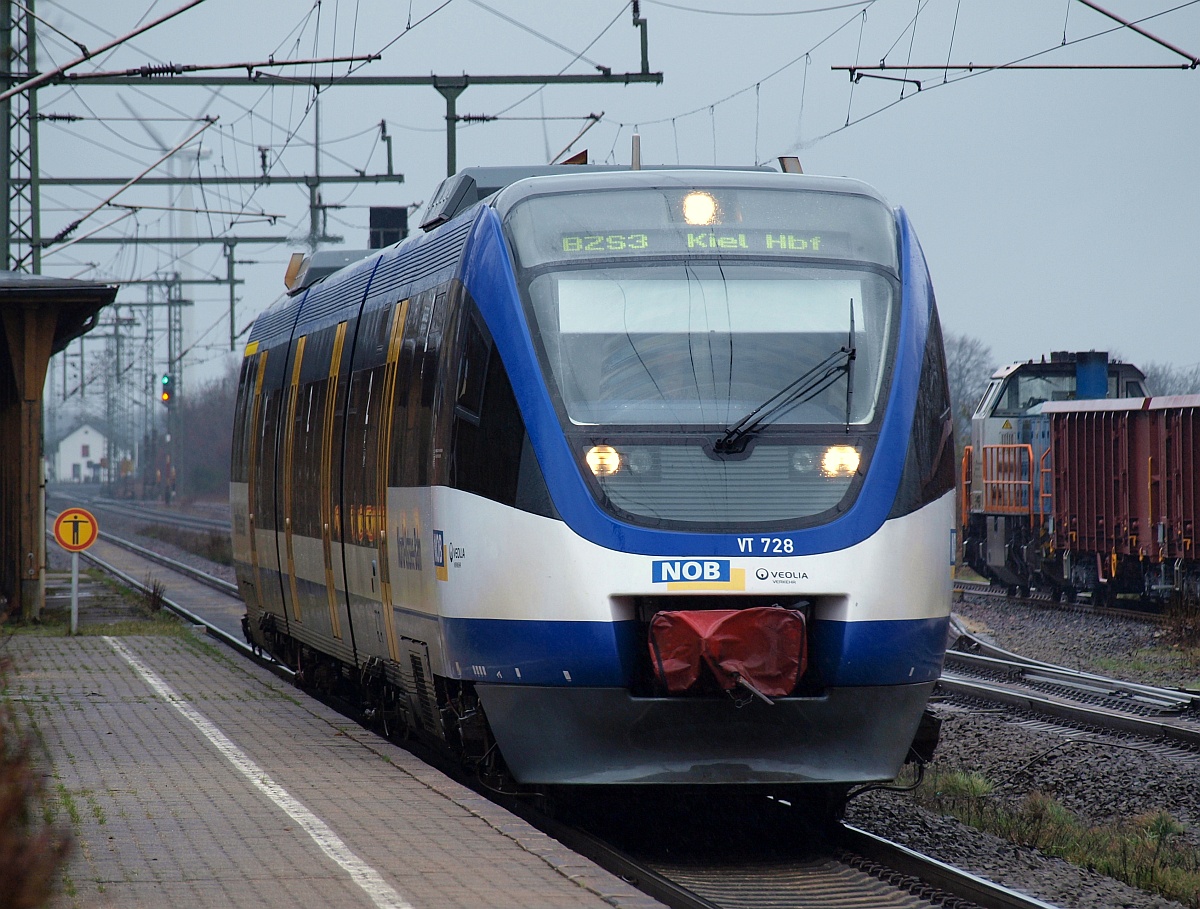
{"points": [[974, 70], [43, 78], [69, 229], [752, 14]]}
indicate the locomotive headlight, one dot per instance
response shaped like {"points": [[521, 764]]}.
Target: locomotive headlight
{"points": [[699, 208], [603, 460], [840, 461]]}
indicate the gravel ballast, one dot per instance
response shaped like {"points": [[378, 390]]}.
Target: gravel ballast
{"points": [[1097, 776]]}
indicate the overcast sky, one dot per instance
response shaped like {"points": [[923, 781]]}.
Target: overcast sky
{"points": [[1057, 209]]}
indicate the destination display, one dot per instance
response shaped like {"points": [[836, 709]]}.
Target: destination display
{"points": [[695, 223], [705, 240]]}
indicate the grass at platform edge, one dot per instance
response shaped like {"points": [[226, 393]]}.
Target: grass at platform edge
{"points": [[1144, 851]]}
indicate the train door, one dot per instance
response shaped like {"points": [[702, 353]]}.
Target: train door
{"points": [[415, 458], [307, 456], [368, 420], [244, 475], [263, 518], [330, 529], [285, 537]]}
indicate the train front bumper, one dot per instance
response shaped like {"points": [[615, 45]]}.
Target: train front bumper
{"points": [[605, 736]]}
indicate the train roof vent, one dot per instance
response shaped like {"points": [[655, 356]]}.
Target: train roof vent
{"points": [[1071, 356], [473, 184], [320, 265]]}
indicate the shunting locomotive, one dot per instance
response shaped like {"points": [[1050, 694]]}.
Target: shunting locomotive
{"points": [[613, 476]]}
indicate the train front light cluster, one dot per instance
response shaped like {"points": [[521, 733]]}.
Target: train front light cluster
{"points": [[840, 461], [605, 461], [835, 461]]}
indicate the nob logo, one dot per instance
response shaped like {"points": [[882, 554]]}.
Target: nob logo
{"points": [[691, 570]]}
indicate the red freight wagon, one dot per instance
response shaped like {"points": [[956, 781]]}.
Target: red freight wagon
{"points": [[1122, 476], [1111, 502]]}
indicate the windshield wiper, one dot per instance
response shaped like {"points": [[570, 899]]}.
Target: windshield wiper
{"points": [[805, 387], [853, 349]]}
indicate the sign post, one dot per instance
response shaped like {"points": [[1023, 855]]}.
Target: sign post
{"points": [[75, 530]]}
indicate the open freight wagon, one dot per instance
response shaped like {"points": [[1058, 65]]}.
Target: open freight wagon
{"points": [[1095, 497]]}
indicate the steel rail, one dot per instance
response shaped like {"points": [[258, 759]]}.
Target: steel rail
{"points": [[144, 513], [1065, 710], [240, 646], [195, 574], [956, 881], [1047, 601], [1167, 699], [933, 872], [984, 650]]}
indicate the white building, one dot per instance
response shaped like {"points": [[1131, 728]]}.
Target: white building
{"points": [[78, 457]]}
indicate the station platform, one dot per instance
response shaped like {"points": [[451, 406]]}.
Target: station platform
{"points": [[191, 778]]}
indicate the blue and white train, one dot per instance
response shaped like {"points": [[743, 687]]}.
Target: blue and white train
{"points": [[613, 476]]}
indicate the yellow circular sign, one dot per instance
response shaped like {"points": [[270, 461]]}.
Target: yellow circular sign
{"points": [[76, 529]]}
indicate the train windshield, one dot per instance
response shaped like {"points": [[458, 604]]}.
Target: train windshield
{"points": [[686, 307], [706, 344]]}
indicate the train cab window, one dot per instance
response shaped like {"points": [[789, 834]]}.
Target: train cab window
{"points": [[706, 344], [1129, 388], [716, 342], [1022, 393], [651, 315], [988, 399]]}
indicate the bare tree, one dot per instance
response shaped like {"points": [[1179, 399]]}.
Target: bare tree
{"points": [[206, 437], [969, 365], [1166, 379]]}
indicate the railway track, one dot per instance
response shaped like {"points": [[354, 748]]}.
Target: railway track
{"points": [[859, 870], [866, 871], [855, 869], [977, 669], [140, 511], [1053, 601]]}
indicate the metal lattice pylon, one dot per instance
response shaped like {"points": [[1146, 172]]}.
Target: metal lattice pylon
{"points": [[18, 135]]}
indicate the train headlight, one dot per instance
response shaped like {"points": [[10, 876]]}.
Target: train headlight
{"points": [[840, 461], [699, 208], [603, 460]]}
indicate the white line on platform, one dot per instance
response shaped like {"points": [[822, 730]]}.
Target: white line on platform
{"points": [[370, 880]]}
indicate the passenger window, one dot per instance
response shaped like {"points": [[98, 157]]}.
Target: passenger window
{"points": [[471, 370]]}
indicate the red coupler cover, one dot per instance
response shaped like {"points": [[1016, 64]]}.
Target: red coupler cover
{"points": [[763, 645]]}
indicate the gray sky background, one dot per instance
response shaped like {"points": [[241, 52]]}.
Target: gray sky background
{"points": [[1057, 209]]}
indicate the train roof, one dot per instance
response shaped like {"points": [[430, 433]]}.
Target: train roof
{"points": [[472, 185], [1063, 362], [1158, 402]]}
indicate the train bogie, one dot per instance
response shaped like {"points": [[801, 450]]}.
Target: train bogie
{"points": [[472, 469]]}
